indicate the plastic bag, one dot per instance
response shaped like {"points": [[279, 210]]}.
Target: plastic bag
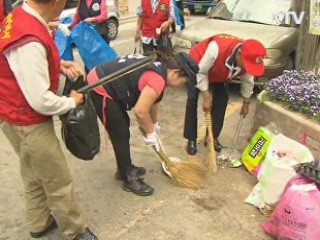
{"points": [[277, 169], [64, 42], [164, 44], [297, 217], [257, 148], [80, 130], [92, 48]]}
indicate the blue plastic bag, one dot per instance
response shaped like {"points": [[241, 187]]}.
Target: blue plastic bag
{"points": [[92, 48], [63, 43]]}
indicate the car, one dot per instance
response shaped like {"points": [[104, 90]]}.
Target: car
{"points": [[263, 20], [196, 6], [70, 11], [112, 21]]}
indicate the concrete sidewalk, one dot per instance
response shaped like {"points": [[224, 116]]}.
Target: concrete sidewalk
{"points": [[172, 213]]}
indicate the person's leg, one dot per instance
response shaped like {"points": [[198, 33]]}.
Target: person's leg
{"points": [[191, 119], [51, 168], [181, 14], [148, 47], [37, 212], [48, 182], [219, 106], [117, 123]]}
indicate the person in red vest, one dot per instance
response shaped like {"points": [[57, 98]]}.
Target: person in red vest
{"points": [[221, 58], [5, 8], [154, 17], [29, 76]]}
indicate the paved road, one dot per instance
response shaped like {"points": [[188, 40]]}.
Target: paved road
{"points": [[172, 213]]}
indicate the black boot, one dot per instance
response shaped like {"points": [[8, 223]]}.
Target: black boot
{"points": [[136, 185], [86, 235], [137, 171], [192, 147], [217, 146]]}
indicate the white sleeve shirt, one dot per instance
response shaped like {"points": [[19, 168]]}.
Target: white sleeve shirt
{"points": [[29, 65], [208, 61]]}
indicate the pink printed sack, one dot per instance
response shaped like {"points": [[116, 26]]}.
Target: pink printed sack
{"points": [[297, 216]]}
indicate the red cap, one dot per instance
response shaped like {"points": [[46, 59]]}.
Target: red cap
{"points": [[253, 52]]}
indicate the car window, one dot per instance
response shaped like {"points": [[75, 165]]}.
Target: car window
{"points": [[270, 12]]}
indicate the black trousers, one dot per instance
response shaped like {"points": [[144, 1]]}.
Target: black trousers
{"points": [[148, 47], [219, 106], [117, 125]]}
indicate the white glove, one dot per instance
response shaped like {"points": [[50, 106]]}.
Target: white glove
{"points": [[64, 28], [151, 139], [157, 128]]}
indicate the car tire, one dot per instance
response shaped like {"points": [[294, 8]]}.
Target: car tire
{"points": [[113, 26]]}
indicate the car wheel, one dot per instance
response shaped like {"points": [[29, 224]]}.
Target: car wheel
{"points": [[112, 25]]}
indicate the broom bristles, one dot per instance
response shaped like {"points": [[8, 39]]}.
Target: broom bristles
{"points": [[190, 174]]}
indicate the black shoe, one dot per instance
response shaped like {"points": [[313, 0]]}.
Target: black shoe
{"points": [[86, 235], [192, 147], [217, 146], [137, 186], [136, 171], [52, 226]]}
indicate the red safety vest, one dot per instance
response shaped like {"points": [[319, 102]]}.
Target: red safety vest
{"points": [[150, 20], [20, 28], [219, 72]]}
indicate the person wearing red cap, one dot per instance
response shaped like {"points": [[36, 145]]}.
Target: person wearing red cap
{"points": [[221, 58], [5, 8]]}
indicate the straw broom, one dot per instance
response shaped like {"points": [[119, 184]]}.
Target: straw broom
{"points": [[189, 173], [211, 156]]}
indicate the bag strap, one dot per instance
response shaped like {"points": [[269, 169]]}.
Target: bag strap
{"points": [[120, 73], [138, 47]]}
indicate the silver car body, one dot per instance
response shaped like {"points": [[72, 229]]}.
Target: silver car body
{"points": [[280, 41]]}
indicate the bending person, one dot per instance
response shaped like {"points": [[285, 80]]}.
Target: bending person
{"points": [[141, 90]]}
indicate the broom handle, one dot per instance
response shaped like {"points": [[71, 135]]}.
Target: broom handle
{"points": [[118, 74], [212, 162], [161, 153]]}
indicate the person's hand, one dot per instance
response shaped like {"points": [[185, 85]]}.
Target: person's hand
{"points": [[90, 20], [78, 97], [137, 37], [151, 139], [65, 29], [244, 109], [157, 128], [207, 103], [53, 25], [165, 26], [71, 69]]}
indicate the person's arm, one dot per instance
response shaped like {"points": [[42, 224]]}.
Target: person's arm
{"points": [[206, 63], [143, 109], [138, 30], [103, 12], [76, 18], [32, 75], [154, 113], [171, 19], [151, 85], [247, 85]]}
